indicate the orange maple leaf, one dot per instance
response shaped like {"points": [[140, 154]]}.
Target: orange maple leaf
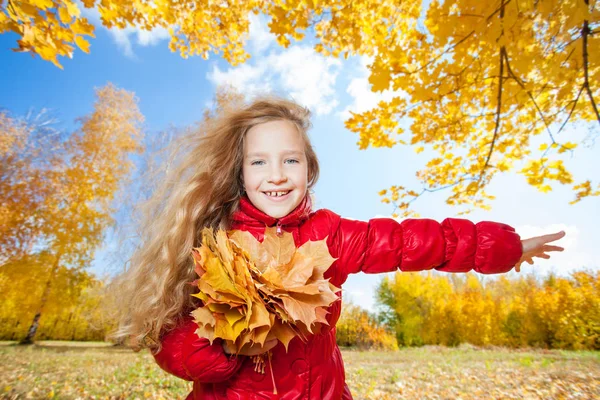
{"points": [[256, 291]]}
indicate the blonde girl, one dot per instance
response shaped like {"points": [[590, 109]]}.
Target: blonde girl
{"points": [[250, 168]]}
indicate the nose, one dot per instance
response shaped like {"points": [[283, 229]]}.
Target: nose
{"points": [[276, 175]]}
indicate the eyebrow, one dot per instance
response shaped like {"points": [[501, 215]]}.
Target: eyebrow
{"points": [[286, 152]]}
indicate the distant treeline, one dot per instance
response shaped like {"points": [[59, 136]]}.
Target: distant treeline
{"points": [[414, 309], [449, 309]]}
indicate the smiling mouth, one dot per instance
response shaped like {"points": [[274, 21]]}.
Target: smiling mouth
{"points": [[277, 194]]}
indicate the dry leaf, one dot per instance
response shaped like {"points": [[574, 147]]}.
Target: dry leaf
{"points": [[253, 292]]}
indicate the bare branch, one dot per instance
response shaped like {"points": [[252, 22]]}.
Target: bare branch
{"points": [[522, 85], [585, 31], [500, 10], [572, 108], [461, 179], [434, 59], [499, 98], [498, 112], [471, 15]]}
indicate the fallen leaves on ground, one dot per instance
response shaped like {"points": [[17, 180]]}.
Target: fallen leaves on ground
{"points": [[430, 372]]}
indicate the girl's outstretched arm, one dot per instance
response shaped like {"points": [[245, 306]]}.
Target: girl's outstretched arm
{"points": [[192, 358], [454, 245]]}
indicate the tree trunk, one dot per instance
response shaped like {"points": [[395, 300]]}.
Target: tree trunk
{"points": [[34, 324]]}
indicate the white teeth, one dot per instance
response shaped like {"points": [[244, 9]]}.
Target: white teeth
{"points": [[276, 194]]}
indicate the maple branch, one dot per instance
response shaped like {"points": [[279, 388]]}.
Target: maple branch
{"points": [[573, 40], [441, 54], [500, 9], [498, 109], [470, 15], [568, 56], [516, 78], [572, 108], [498, 100], [461, 179], [584, 33]]}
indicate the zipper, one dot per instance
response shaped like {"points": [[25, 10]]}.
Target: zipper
{"points": [[278, 230]]}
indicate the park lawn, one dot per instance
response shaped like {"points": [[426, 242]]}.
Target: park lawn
{"points": [[72, 370]]}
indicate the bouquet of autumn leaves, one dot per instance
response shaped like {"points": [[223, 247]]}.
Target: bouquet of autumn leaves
{"points": [[253, 292]]}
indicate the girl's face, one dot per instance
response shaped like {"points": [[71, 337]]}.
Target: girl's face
{"points": [[275, 169]]}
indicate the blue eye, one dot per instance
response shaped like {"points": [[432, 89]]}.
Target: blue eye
{"points": [[295, 161], [256, 162]]}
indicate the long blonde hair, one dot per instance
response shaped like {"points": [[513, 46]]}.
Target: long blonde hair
{"points": [[202, 190]]}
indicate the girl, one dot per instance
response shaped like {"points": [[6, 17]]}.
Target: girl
{"points": [[253, 168]]}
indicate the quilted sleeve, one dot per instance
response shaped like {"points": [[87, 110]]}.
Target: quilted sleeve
{"points": [[192, 358], [455, 245]]}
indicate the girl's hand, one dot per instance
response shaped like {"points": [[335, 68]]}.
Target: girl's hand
{"points": [[537, 247], [253, 350]]}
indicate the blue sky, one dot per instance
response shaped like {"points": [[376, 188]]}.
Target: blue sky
{"points": [[173, 91]]}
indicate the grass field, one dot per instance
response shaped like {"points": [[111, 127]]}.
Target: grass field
{"points": [[76, 370]]}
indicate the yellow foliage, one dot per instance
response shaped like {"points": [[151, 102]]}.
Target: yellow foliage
{"points": [[448, 66], [77, 306], [452, 309], [57, 195], [357, 328]]}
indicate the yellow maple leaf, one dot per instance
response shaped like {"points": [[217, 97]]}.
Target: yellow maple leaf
{"points": [[255, 291]]}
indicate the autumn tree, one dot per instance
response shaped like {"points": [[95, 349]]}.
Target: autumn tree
{"points": [[435, 308], [29, 151], [407, 300], [67, 219], [357, 327], [70, 312], [474, 80]]}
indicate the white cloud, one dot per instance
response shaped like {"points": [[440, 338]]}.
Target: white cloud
{"points": [[246, 78], [123, 37], [359, 89], [309, 77], [151, 38], [299, 71], [260, 39]]}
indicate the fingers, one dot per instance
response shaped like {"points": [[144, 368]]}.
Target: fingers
{"points": [[552, 236], [546, 248], [538, 243]]}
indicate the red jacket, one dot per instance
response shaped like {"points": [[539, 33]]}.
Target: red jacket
{"points": [[315, 370]]}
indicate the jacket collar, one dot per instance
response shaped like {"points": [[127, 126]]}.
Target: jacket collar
{"points": [[248, 214]]}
